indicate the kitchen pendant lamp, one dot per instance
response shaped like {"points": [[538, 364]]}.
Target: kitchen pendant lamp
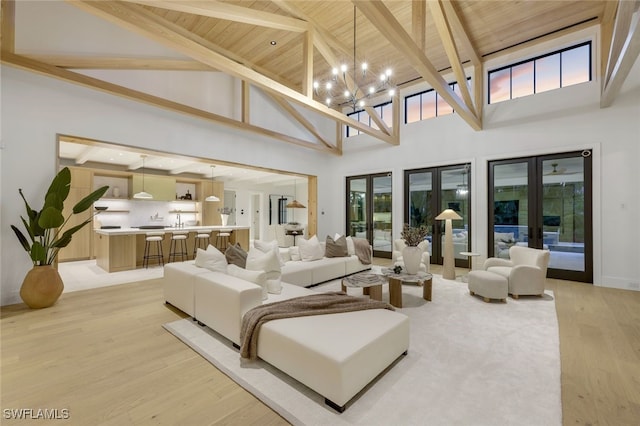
{"points": [[142, 195], [295, 204], [212, 198]]}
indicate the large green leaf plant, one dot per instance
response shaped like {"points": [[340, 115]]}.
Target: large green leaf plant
{"points": [[46, 228]]}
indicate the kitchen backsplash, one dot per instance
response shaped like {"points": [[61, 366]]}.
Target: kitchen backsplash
{"points": [[130, 213]]}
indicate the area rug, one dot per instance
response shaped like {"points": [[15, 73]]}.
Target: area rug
{"points": [[469, 363]]}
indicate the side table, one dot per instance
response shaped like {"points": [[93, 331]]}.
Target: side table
{"points": [[470, 255]]}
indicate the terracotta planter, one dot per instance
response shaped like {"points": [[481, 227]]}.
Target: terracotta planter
{"points": [[42, 286], [412, 256]]}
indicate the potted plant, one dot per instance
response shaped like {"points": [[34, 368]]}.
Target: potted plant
{"points": [[412, 254], [46, 235]]}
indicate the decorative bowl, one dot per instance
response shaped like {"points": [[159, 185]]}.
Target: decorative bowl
{"points": [[101, 207]]}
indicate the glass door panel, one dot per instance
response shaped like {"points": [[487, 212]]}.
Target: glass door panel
{"points": [[357, 225], [454, 195], [382, 215], [563, 212], [510, 201], [420, 186]]}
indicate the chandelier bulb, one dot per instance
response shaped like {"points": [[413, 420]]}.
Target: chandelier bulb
{"points": [[343, 68], [392, 92], [388, 72], [346, 94], [364, 66], [383, 77], [328, 86], [328, 101], [316, 84], [334, 71], [372, 90], [361, 103]]}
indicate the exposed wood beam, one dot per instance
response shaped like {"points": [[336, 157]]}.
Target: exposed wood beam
{"points": [[391, 29], [446, 36], [7, 25], [395, 110], [621, 25], [463, 35], [606, 34], [118, 63], [418, 23], [378, 120], [229, 12], [307, 64], [300, 119], [84, 156], [628, 54], [114, 89], [246, 102], [138, 19]]}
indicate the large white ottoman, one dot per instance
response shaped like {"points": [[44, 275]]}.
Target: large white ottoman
{"points": [[488, 285]]}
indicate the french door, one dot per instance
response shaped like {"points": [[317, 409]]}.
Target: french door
{"points": [[429, 191], [544, 202], [369, 201]]}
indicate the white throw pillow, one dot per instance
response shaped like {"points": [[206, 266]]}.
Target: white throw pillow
{"points": [[294, 253], [211, 259], [256, 277], [259, 261], [310, 249], [265, 246], [274, 285], [351, 249]]}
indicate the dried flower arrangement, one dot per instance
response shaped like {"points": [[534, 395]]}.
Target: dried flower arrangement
{"points": [[413, 235]]}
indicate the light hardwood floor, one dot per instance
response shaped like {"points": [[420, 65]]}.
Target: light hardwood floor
{"points": [[103, 355]]}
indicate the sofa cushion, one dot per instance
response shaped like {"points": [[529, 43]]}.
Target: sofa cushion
{"points": [[211, 259], [351, 248], [265, 246], [260, 261], [310, 249], [336, 247], [256, 277], [236, 255], [294, 253]]}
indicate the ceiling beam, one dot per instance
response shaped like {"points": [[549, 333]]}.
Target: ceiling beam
{"points": [[7, 25], [120, 63], [624, 15], [86, 153], [138, 20], [390, 28], [418, 23], [229, 12], [607, 22], [628, 54], [446, 36], [300, 119], [114, 89]]}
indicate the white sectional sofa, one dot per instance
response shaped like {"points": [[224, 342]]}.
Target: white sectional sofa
{"points": [[309, 273], [342, 354]]}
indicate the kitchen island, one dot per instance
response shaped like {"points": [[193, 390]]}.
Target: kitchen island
{"points": [[122, 249]]}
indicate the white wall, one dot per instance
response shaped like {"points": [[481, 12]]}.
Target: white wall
{"points": [[35, 108]]}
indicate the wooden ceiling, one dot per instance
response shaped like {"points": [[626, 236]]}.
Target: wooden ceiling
{"points": [[419, 40]]}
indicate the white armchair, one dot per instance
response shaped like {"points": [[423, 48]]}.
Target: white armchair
{"points": [[525, 271], [396, 255]]}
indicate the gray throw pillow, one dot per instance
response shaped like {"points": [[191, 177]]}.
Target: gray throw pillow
{"points": [[235, 255], [336, 248]]}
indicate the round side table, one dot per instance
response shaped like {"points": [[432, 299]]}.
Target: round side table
{"points": [[470, 255]]}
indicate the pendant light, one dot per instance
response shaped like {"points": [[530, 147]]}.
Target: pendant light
{"points": [[212, 198], [295, 204], [142, 195]]}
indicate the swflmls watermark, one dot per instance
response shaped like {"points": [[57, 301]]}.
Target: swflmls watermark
{"points": [[36, 413]]}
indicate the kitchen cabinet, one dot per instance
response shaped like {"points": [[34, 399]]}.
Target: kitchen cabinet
{"points": [[80, 246], [116, 252], [163, 188]]}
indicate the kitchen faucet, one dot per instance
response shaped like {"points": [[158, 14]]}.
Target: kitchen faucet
{"points": [[179, 222]]}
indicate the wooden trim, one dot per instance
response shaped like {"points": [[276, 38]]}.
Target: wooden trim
{"points": [[606, 35], [446, 36], [246, 102], [137, 19], [307, 63], [117, 63], [418, 23], [624, 60], [395, 110], [619, 38], [8, 25], [391, 29], [113, 89], [377, 119], [312, 205], [463, 35], [229, 12]]}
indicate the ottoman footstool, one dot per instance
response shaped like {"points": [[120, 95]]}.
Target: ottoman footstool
{"points": [[488, 285]]}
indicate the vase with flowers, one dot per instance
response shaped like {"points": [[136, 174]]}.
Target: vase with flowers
{"points": [[224, 214], [412, 253]]}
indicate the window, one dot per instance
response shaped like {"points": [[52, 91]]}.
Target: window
{"points": [[547, 72], [385, 111], [427, 104]]}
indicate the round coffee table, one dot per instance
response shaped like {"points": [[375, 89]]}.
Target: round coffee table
{"points": [[423, 279], [370, 282]]}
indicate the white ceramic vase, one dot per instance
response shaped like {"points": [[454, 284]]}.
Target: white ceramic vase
{"points": [[412, 256], [224, 218]]}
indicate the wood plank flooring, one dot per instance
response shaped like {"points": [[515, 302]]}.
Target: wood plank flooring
{"points": [[103, 355]]}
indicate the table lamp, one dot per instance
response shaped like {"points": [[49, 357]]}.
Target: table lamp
{"points": [[448, 266]]}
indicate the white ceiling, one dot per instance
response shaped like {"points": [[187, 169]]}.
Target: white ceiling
{"points": [[117, 157]]}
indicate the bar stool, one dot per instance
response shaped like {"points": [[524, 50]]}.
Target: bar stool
{"points": [[178, 242], [222, 240], [201, 241], [156, 239]]}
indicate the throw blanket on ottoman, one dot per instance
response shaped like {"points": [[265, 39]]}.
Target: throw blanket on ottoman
{"points": [[363, 250], [315, 304]]}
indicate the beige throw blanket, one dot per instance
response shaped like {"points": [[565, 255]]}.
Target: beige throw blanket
{"points": [[315, 304], [363, 250]]}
